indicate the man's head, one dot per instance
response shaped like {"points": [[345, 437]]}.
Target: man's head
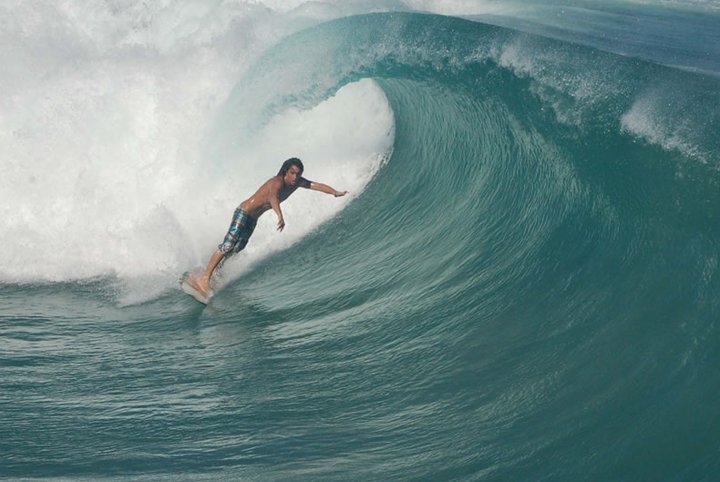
{"points": [[291, 170]]}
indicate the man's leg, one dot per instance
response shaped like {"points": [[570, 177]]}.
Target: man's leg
{"points": [[202, 283]]}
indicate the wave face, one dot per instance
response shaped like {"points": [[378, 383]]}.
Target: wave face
{"points": [[524, 287]]}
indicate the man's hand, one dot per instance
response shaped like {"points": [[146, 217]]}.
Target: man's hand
{"points": [[281, 223], [318, 186]]}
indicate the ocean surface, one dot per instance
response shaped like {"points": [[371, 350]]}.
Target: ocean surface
{"points": [[523, 283]]}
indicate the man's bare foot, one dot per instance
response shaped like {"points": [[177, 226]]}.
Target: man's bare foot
{"points": [[200, 284]]}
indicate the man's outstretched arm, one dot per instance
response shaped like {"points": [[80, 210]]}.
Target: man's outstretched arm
{"points": [[318, 186]]}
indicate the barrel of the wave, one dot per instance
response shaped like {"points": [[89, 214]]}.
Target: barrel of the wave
{"points": [[521, 235]]}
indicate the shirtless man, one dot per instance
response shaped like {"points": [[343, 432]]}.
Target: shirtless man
{"points": [[269, 196]]}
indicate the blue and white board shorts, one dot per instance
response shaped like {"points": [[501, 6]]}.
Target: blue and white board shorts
{"points": [[241, 228]]}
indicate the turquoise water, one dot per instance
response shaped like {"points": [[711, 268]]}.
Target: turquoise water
{"points": [[526, 289]]}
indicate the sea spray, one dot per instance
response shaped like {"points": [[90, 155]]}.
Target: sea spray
{"points": [[104, 172]]}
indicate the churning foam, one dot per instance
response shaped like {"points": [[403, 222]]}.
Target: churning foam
{"points": [[102, 113], [138, 219]]}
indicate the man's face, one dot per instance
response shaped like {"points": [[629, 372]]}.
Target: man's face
{"points": [[292, 176]]}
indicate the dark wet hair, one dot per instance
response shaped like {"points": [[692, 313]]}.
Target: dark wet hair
{"points": [[293, 161]]}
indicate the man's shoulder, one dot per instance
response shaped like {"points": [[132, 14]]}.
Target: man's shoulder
{"points": [[274, 182]]}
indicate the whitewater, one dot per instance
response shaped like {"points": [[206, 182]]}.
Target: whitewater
{"points": [[521, 285]]}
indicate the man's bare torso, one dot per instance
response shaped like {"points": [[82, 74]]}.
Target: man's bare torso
{"points": [[259, 202]]}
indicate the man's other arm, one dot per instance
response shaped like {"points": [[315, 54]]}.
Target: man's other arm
{"points": [[274, 194]]}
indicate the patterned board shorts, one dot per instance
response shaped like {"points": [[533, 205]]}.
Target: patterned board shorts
{"points": [[241, 228]]}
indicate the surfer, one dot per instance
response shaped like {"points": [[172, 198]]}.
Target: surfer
{"points": [[268, 196]]}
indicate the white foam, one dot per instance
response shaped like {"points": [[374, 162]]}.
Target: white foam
{"points": [[461, 7], [647, 120], [146, 216], [102, 113]]}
